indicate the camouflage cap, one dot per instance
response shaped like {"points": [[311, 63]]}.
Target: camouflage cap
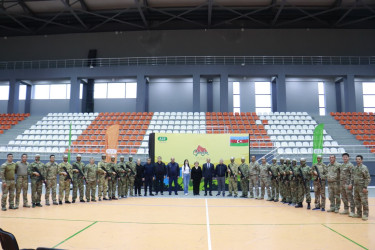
{"points": [[303, 159], [37, 155], [294, 160], [79, 155], [274, 159], [243, 158], [122, 157], [65, 156], [288, 159], [281, 158]]}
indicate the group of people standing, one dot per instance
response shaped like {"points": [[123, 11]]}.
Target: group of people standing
{"points": [[287, 180]]}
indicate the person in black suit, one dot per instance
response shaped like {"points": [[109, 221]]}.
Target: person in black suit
{"points": [[196, 176], [208, 173]]}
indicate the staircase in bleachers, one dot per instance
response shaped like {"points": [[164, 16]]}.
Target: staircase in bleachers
{"points": [[132, 137], [359, 124], [51, 133]]}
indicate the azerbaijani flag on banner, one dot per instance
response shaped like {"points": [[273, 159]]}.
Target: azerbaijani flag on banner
{"points": [[70, 141], [318, 142], [239, 141]]}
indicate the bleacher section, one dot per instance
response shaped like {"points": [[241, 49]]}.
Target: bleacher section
{"points": [[132, 137], [178, 123], [360, 124], [292, 133], [9, 120], [51, 134], [247, 123]]}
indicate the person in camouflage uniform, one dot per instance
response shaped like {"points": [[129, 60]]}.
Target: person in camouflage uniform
{"points": [[287, 180], [319, 169], [112, 184], [51, 170], [78, 179], [122, 184], [36, 180], [264, 179], [22, 183], [333, 178], [346, 172], [361, 179], [7, 176], [305, 174], [131, 172], [274, 171], [254, 177], [65, 171], [91, 172], [243, 170], [294, 182], [232, 177], [102, 178], [282, 180]]}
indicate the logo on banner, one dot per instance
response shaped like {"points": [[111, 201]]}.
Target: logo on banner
{"points": [[200, 151], [111, 151], [239, 141]]}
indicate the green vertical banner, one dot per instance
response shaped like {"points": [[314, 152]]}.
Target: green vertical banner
{"points": [[318, 142], [70, 141]]}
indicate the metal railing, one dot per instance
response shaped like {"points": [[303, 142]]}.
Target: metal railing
{"points": [[188, 60]]}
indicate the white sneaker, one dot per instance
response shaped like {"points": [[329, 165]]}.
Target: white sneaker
{"points": [[186, 194]]}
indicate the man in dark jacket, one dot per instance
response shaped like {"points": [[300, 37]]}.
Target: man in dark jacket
{"points": [[139, 178], [173, 171], [208, 173], [160, 171], [149, 176], [220, 172]]}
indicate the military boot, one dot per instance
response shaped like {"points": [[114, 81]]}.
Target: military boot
{"points": [[364, 217], [357, 216], [346, 211], [308, 205], [351, 214], [3, 208]]}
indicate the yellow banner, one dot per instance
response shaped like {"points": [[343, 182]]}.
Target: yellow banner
{"points": [[199, 147]]}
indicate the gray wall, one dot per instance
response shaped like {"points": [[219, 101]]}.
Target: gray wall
{"points": [[192, 42], [203, 94], [42, 107], [3, 106], [171, 94], [302, 95], [114, 105]]}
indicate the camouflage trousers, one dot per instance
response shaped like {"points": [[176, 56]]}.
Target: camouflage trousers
{"points": [[288, 195], [334, 195], [253, 183], [130, 185], [36, 190], [112, 187], [347, 198], [8, 189], [90, 190], [320, 194], [123, 186], [361, 200], [51, 185], [275, 189], [245, 186], [102, 187], [264, 184], [294, 191], [64, 189], [304, 191], [21, 185], [232, 185], [78, 185]]}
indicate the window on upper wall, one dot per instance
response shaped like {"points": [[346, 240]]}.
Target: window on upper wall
{"points": [[52, 91], [368, 96], [115, 90], [236, 97], [4, 92], [22, 92], [80, 91], [263, 102], [322, 101]]}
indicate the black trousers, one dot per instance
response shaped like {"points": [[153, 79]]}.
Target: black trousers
{"points": [[159, 184], [209, 182], [137, 185], [196, 184], [148, 184]]}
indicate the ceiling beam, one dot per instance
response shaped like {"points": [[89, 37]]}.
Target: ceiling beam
{"points": [[83, 5], [345, 14], [67, 6], [138, 4], [278, 12], [2, 10], [26, 8], [209, 14], [356, 21]]}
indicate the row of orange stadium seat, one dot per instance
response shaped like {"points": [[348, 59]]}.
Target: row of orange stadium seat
{"points": [[360, 122], [365, 137], [353, 127], [261, 145], [350, 113], [369, 143], [125, 113], [361, 118], [1, 131], [362, 132], [13, 118], [5, 127], [12, 114], [8, 122]]}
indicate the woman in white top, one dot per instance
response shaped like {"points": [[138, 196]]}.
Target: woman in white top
{"points": [[186, 176]]}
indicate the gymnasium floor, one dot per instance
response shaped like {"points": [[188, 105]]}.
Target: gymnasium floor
{"points": [[177, 222]]}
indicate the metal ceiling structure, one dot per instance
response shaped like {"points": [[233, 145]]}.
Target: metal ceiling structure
{"points": [[42, 17]]}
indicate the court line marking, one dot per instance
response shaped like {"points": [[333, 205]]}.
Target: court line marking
{"points": [[208, 227], [191, 224], [80, 231], [344, 236]]}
